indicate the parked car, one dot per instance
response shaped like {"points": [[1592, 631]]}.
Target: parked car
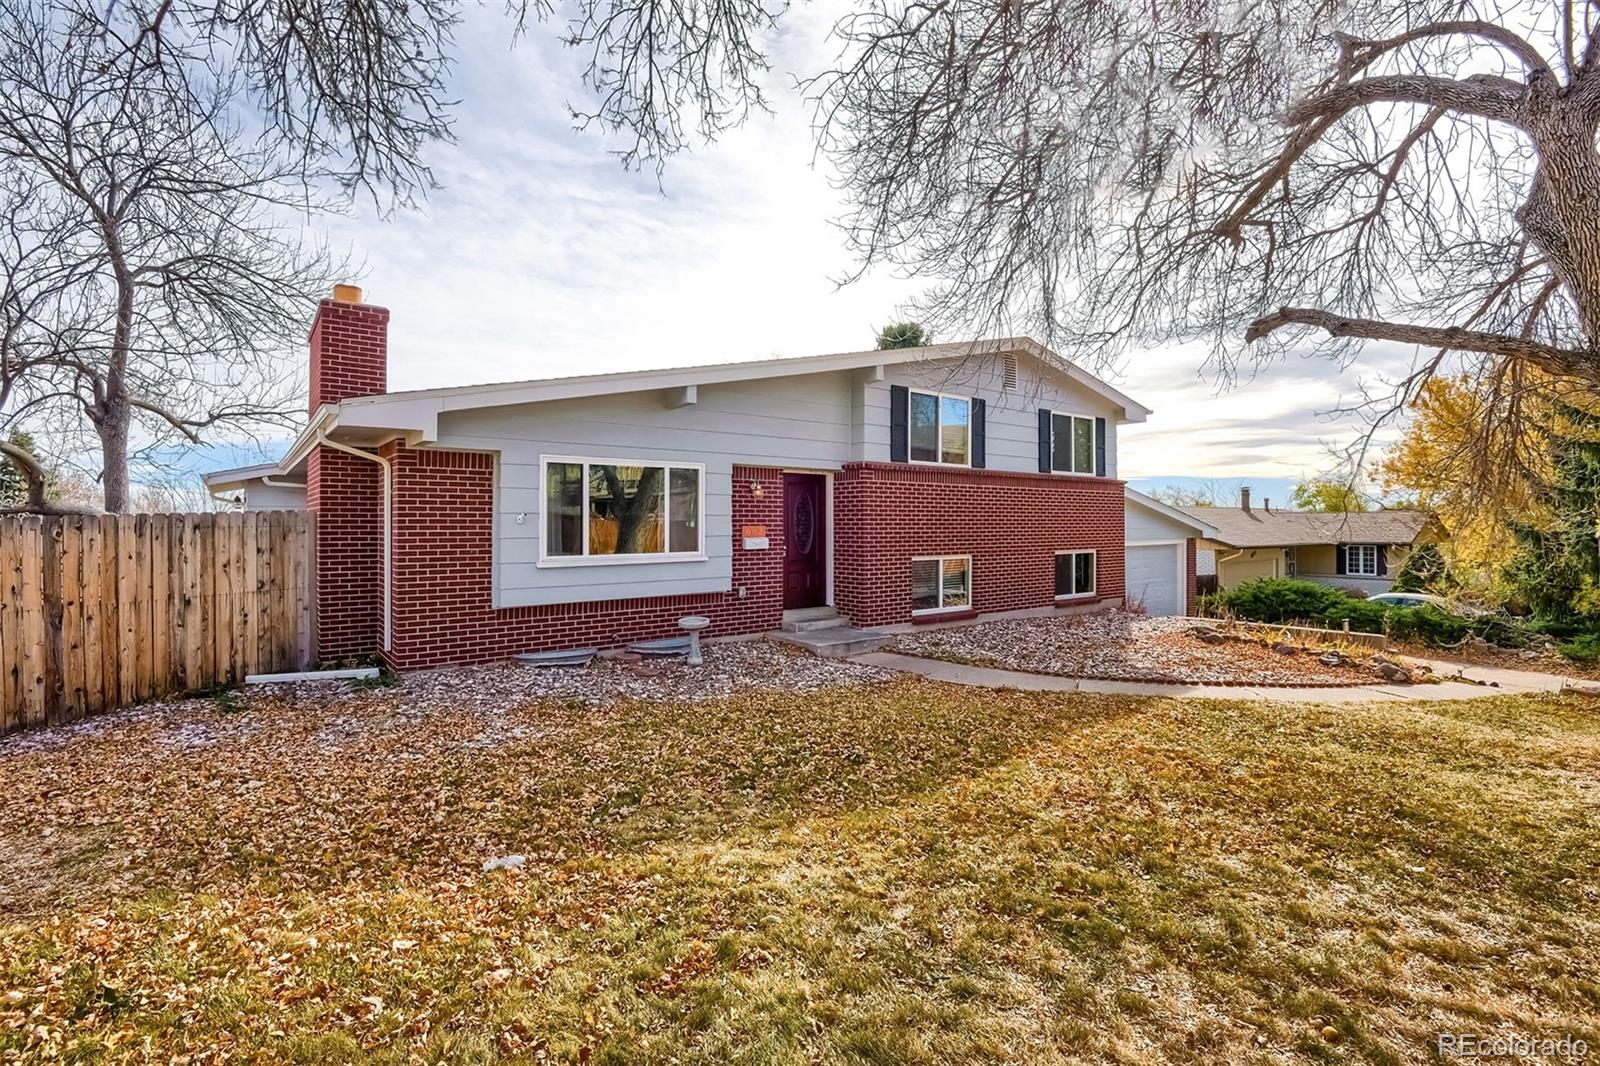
{"points": [[1417, 599]]}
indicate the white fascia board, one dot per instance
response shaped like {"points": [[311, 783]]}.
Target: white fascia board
{"points": [[1204, 530], [226, 480], [325, 418], [416, 418]]}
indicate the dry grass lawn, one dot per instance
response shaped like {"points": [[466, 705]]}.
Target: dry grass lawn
{"points": [[897, 873]]}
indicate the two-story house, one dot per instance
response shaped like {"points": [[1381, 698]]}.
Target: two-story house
{"points": [[459, 525]]}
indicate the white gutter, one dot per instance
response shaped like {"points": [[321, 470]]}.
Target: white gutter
{"points": [[388, 480]]}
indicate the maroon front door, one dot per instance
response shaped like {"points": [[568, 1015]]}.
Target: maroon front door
{"points": [[805, 551]]}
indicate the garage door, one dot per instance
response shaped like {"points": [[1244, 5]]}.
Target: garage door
{"points": [[1153, 577]]}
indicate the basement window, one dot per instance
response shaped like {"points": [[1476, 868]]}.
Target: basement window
{"points": [[1074, 574], [599, 511], [941, 583]]}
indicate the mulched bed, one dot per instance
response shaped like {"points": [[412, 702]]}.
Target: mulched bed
{"points": [[1118, 646]]}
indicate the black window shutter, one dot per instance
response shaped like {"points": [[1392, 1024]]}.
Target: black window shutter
{"points": [[1383, 560], [899, 420], [1044, 440], [1099, 447], [1338, 559], [979, 456]]}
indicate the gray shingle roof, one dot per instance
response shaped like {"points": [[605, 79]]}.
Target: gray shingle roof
{"points": [[1257, 528]]}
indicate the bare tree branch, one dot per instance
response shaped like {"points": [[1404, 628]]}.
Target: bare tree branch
{"points": [[1559, 361]]}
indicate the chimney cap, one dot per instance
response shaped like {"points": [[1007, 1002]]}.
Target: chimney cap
{"points": [[347, 294]]}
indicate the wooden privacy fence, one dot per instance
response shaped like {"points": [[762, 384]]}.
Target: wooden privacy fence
{"points": [[102, 611]]}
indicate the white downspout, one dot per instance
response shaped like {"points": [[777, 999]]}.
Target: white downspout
{"points": [[322, 438], [1219, 560]]}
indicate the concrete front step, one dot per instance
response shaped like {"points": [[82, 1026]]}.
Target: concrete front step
{"points": [[835, 642], [814, 624], [809, 619]]}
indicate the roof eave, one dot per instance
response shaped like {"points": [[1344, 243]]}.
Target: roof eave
{"points": [[1205, 530], [419, 409]]}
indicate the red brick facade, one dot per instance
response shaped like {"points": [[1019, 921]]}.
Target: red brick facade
{"points": [[442, 512], [1191, 587], [349, 352], [1012, 524], [443, 609]]}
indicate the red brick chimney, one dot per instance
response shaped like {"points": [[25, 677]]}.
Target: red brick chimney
{"points": [[349, 357], [349, 348]]}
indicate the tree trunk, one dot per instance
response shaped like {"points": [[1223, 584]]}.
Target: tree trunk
{"points": [[115, 412], [1561, 215], [113, 430]]}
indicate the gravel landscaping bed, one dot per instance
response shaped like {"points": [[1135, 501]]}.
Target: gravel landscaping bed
{"points": [[728, 667], [1118, 646], [190, 723]]}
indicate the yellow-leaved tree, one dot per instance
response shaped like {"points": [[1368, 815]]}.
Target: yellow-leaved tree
{"points": [[1474, 454]]}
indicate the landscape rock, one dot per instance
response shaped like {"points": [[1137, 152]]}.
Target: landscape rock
{"points": [[1391, 672]]}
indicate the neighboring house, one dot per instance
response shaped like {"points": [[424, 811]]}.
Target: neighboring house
{"points": [[1358, 550], [464, 524]]}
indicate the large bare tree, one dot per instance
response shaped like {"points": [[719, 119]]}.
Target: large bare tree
{"points": [[152, 285], [1417, 172], [1107, 175]]}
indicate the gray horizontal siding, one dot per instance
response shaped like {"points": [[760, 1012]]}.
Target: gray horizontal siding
{"points": [[800, 422], [1011, 415], [1144, 524], [259, 496]]}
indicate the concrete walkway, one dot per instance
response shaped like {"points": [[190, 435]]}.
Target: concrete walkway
{"points": [[1509, 682]]}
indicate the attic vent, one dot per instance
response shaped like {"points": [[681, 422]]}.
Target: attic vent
{"points": [[1008, 371]]}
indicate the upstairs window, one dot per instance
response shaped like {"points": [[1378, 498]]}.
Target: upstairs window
{"points": [[940, 428], [621, 512], [1071, 444]]}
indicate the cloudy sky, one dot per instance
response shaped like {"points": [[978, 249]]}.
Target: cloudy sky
{"points": [[540, 256]]}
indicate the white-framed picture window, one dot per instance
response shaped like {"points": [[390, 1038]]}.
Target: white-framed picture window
{"points": [[1075, 574], [939, 428], [1072, 443], [621, 511], [941, 583], [1361, 559]]}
